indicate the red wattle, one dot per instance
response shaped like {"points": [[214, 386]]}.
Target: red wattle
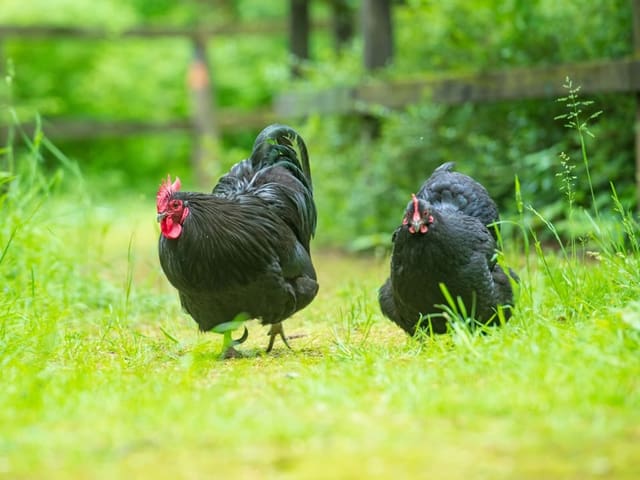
{"points": [[170, 229]]}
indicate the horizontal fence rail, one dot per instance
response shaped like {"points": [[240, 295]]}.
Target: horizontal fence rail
{"points": [[33, 32], [82, 129], [607, 76]]}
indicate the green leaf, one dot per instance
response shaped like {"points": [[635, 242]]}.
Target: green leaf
{"points": [[231, 325]]}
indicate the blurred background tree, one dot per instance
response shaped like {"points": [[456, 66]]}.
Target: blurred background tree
{"points": [[361, 184]]}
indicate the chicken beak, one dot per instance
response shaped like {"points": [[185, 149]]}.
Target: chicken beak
{"points": [[416, 224], [161, 216]]}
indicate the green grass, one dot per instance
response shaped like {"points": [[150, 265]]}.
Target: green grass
{"points": [[103, 376]]}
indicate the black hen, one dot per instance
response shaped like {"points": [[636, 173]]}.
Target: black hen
{"points": [[447, 238], [242, 251]]}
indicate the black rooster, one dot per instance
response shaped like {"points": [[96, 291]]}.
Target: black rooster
{"points": [[242, 251], [447, 240]]}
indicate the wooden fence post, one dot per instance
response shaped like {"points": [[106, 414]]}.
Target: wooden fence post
{"points": [[636, 54], [206, 140], [342, 23], [377, 34], [299, 27]]}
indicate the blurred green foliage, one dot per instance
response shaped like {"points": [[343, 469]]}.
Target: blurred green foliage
{"points": [[361, 187]]}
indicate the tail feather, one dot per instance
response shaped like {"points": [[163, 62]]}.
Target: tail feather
{"points": [[445, 167], [280, 148], [278, 143]]}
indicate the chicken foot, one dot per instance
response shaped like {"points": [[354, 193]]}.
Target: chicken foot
{"points": [[275, 330]]}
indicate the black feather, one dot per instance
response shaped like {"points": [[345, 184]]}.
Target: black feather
{"points": [[466, 194]]}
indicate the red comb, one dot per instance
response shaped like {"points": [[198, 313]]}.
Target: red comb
{"points": [[416, 208], [166, 190]]}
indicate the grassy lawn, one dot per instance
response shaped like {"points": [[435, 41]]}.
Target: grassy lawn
{"points": [[102, 375]]}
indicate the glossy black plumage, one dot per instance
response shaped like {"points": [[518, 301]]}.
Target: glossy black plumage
{"points": [[244, 248], [446, 186], [457, 249]]}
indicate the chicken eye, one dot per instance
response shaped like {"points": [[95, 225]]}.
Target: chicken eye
{"points": [[175, 203]]}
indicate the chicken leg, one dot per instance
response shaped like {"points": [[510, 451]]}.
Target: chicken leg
{"points": [[228, 343]]}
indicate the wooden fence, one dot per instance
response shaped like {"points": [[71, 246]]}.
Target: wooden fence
{"points": [[603, 76]]}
